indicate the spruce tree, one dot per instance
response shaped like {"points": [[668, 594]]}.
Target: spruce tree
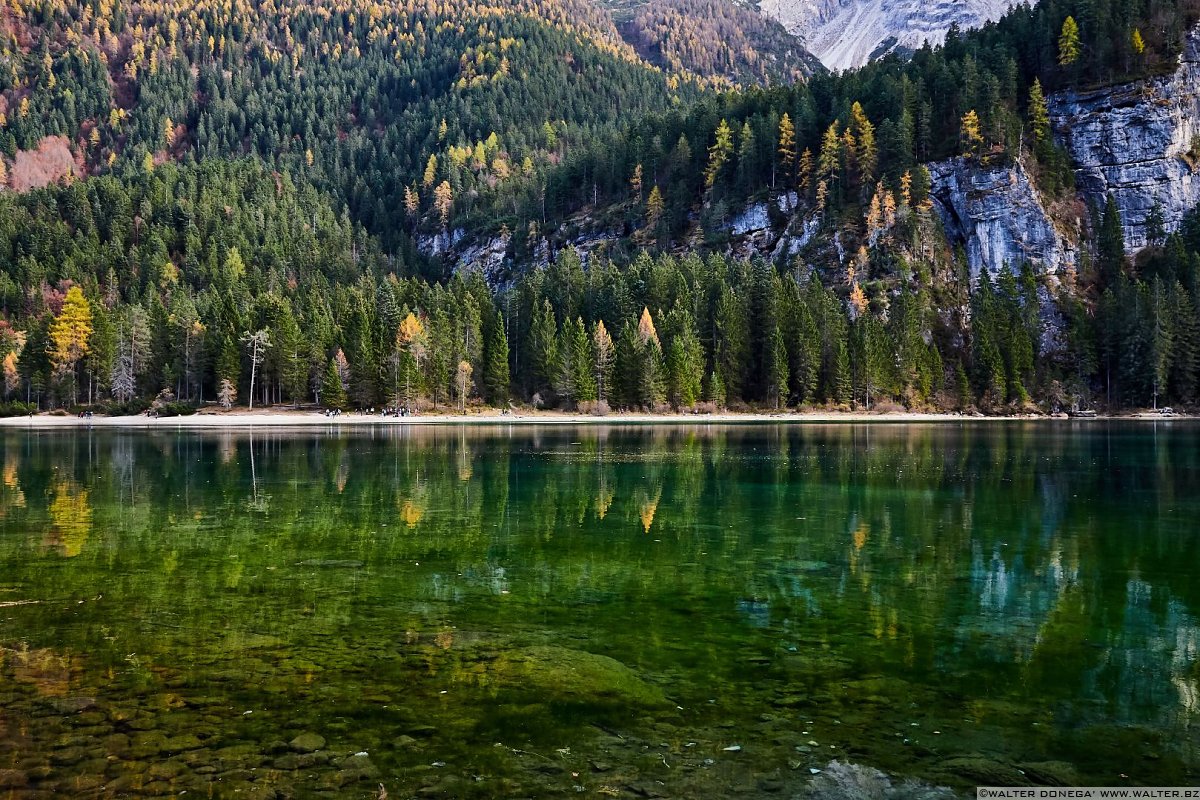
{"points": [[602, 353], [1185, 362], [1110, 244], [732, 351], [776, 362], [333, 394], [986, 337], [495, 370], [576, 382], [1039, 116], [627, 369], [543, 349], [685, 363]]}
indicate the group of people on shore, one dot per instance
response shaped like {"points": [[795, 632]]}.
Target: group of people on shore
{"points": [[389, 411]]}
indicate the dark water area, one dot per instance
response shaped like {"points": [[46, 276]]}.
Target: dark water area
{"points": [[637, 611]]}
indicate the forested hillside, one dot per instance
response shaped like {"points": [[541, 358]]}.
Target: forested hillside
{"points": [[360, 99], [915, 109], [245, 185], [718, 37]]}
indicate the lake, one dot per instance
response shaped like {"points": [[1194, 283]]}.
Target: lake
{"points": [[623, 611]]}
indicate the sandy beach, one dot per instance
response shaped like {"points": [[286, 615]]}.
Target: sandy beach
{"points": [[278, 418]]}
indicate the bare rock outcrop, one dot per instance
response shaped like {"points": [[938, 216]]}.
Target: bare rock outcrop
{"points": [[1139, 142]]}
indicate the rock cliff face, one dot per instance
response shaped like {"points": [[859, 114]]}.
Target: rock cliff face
{"points": [[997, 216], [1139, 142]]}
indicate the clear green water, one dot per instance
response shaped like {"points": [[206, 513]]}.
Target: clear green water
{"points": [[496, 612]]}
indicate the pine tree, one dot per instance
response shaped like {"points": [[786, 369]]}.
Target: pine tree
{"points": [[1016, 335], [685, 362], [842, 386], [602, 352], [776, 363], [226, 394], [445, 351], [1185, 362], [746, 156], [803, 345], [962, 387], [1110, 243], [878, 359], [576, 382], [412, 201], [469, 333], [102, 350], [732, 348], [1039, 116], [543, 348], [431, 170], [986, 340], [229, 362], [714, 391], [1156, 224], [462, 384], [1162, 339], [652, 389], [627, 368], [495, 370], [333, 392]]}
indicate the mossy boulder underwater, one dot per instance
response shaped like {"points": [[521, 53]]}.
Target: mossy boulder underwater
{"points": [[565, 676]]}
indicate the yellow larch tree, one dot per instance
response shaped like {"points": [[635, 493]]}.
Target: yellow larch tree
{"points": [[443, 200], [69, 335]]}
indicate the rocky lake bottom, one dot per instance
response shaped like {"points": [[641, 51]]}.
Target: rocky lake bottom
{"points": [[656, 611]]}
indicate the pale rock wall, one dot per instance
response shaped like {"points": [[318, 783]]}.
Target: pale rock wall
{"points": [[998, 217], [845, 34], [1135, 142]]}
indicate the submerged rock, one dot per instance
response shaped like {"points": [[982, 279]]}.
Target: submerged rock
{"points": [[307, 742], [983, 771], [421, 731], [1052, 773], [562, 675], [13, 779], [72, 705], [841, 780]]}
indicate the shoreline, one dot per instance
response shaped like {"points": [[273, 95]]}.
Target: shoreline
{"points": [[276, 418]]}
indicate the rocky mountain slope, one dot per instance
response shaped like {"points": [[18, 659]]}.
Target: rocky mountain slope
{"points": [[845, 34], [1139, 142]]}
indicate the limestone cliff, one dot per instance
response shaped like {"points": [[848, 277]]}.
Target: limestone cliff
{"points": [[995, 213], [1139, 141]]}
